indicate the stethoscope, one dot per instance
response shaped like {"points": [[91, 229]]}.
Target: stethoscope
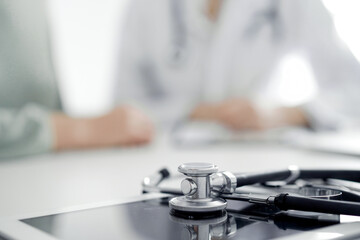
{"points": [[206, 191], [179, 52]]}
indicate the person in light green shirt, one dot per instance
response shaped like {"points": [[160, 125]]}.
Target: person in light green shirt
{"points": [[31, 120]]}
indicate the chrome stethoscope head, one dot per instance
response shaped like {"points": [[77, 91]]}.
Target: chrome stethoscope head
{"points": [[198, 200]]}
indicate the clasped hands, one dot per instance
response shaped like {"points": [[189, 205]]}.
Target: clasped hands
{"points": [[127, 126]]}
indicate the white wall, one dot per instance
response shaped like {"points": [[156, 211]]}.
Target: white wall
{"points": [[85, 36]]}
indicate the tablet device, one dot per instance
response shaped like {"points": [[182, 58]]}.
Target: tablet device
{"points": [[147, 217]]}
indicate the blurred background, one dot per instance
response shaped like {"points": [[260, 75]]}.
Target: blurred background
{"points": [[86, 37], [127, 70]]}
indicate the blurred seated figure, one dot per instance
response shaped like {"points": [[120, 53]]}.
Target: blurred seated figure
{"points": [[31, 120], [212, 59]]}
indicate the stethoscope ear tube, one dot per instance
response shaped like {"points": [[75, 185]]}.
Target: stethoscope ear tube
{"points": [[252, 178], [351, 175], [285, 201]]}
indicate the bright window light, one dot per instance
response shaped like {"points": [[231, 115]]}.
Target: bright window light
{"points": [[346, 18], [293, 81], [328, 235]]}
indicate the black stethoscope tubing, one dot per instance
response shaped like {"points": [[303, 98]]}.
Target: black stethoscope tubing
{"points": [[285, 201]]}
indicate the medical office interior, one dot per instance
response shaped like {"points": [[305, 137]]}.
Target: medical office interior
{"points": [[96, 96]]}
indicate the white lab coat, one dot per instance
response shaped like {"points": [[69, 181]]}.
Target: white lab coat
{"points": [[232, 57]]}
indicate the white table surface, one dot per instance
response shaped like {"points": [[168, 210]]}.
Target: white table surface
{"points": [[60, 180]]}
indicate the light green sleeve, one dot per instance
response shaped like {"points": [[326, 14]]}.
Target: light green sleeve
{"points": [[25, 131], [28, 88]]}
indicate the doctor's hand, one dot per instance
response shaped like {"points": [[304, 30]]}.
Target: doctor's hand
{"points": [[237, 114], [241, 114], [123, 126]]}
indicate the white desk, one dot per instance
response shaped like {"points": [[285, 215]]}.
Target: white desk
{"points": [[56, 181]]}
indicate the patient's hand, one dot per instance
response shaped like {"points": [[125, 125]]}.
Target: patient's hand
{"points": [[126, 126], [240, 114], [123, 126]]}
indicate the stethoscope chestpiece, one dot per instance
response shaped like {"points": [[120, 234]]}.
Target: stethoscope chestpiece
{"points": [[197, 202]]}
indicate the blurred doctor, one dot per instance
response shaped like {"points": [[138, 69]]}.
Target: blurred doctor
{"points": [[211, 60]]}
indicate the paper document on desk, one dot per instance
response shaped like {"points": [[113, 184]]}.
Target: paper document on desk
{"points": [[347, 142], [201, 133]]}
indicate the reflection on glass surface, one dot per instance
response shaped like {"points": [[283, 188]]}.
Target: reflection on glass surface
{"points": [[150, 219]]}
